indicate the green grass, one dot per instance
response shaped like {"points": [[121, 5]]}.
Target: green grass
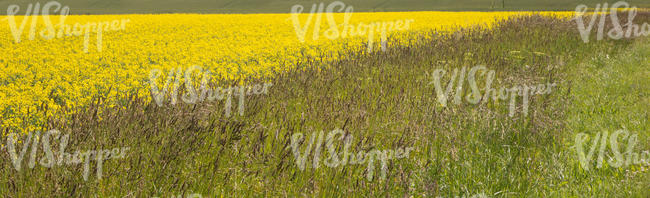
{"points": [[284, 6], [611, 93], [385, 101]]}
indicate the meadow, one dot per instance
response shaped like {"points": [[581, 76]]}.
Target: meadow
{"points": [[379, 101]]}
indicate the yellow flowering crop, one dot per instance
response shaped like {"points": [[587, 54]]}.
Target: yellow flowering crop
{"points": [[41, 78]]}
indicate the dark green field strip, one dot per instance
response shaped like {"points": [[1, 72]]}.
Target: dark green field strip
{"points": [[283, 6]]}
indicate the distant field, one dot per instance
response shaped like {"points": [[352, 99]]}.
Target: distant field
{"points": [[282, 6]]}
